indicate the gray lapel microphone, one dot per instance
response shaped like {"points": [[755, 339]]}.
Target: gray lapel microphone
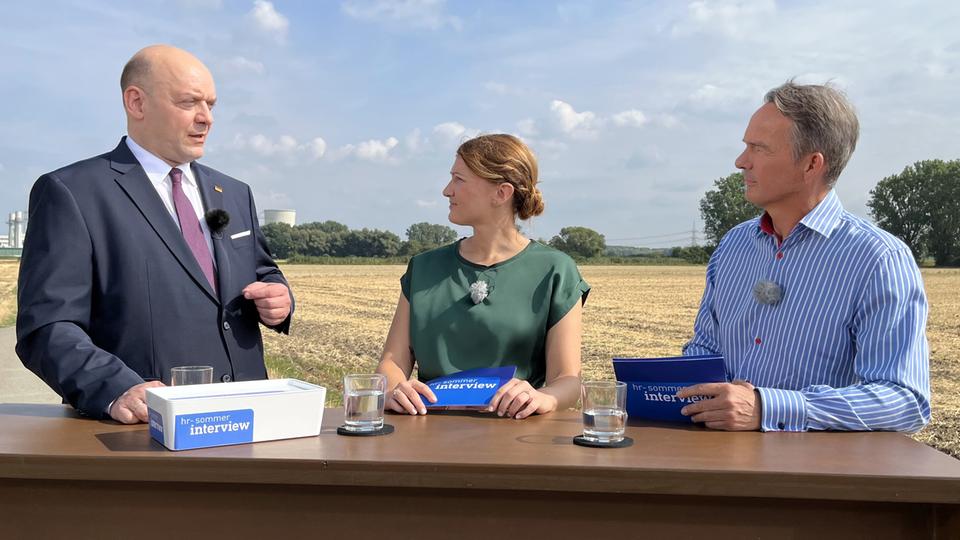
{"points": [[767, 292]]}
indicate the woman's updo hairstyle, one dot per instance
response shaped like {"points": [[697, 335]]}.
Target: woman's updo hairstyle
{"points": [[504, 158]]}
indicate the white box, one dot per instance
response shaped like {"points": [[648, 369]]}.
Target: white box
{"points": [[202, 415]]}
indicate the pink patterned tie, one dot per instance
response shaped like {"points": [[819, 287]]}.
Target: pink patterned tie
{"points": [[190, 227]]}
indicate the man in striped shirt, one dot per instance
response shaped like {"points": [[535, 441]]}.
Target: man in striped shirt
{"points": [[819, 315]]}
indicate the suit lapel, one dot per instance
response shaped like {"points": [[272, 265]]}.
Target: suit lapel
{"points": [[134, 182], [212, 195]]}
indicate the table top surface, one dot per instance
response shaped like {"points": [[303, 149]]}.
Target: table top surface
{"points": [[482, 451]]}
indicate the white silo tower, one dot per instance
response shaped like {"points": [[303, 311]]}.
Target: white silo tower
{"points": [[280, 216]]}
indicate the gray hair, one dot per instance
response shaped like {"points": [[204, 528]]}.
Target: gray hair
{"points": [[136, 72], [823, 121]]}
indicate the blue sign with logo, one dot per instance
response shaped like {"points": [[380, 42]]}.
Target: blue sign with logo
{"points": [[471, 388], [653, 383], [215, 428], [156, 426]]}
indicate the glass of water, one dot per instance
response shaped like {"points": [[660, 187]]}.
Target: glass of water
{"points": [[604, 410], [363, 402], [182, 375]]}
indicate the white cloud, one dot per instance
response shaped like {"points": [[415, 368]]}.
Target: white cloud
{"points": [[549, 145], [503, 89], [342, 152], [430, 14], [426, 204], [631, 117], [415, 141], [454, 132], [318, 147], [730, 18], [264, 146], [241, 63], [527, 127], [575, 124], [283, 146], [372, 150], [268, 19], [713, 97]]}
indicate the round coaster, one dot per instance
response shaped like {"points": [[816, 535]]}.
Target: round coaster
{"points": [[385, 430], [579, 440]]}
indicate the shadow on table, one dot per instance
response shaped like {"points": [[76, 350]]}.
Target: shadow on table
{"points": [[130, 441], [48, 410]]}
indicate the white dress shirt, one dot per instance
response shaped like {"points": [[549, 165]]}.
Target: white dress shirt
{"points": [[158, 171]]}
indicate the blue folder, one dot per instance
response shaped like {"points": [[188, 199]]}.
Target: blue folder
{"points": [[652, 383], [470, 389]]}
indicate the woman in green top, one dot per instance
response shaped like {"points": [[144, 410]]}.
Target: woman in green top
{"points": [[493, 299]]}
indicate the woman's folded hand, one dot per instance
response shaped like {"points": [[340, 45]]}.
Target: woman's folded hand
{"points": [[517, 399], [407, 397]]}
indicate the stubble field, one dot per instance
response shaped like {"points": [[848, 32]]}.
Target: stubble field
{"points": [[343, 314]]}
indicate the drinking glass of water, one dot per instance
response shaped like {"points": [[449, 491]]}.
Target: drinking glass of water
{"points": [[604, 410], [363, 402], [182, 375]]}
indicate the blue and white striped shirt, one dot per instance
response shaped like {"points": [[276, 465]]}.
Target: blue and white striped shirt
{"points": [[845, 348]]}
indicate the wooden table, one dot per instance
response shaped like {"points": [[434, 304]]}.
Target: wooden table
{"points": [[469, 476]]}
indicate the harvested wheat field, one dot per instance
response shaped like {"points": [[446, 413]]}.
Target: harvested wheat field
{"points": [[343, 313], [8, 291]]}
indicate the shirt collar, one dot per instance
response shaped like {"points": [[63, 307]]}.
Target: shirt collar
{"points": [[157, 169], [823, 219]]}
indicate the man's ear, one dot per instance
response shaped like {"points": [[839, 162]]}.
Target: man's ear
{"points": [[133, 97], [814, 166], [503, 194]]}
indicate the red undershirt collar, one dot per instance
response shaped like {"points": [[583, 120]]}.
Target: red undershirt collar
{"points": [[766, 225]]}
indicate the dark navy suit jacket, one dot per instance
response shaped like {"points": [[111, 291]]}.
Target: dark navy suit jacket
{"points": [[110, 294]]}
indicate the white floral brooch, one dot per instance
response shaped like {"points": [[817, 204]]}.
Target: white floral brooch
{"points": [[478, 291]]}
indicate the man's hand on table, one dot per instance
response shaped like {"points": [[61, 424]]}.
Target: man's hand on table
{"points": [[131, 406], [729, 406]]}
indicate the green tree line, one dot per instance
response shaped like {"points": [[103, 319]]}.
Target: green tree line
{"points": [[920, 205], [333, 239]]}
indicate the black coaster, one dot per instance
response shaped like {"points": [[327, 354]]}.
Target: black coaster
{"points": [[579, 440], [385, 430]]}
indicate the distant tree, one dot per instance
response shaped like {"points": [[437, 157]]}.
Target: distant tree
{"points": [[369, 243], [426, 236], [921, 206], [279, 239], [579, 241], [724, 207], [693, 254], [329, 226], [430, 234], [944, 238]]}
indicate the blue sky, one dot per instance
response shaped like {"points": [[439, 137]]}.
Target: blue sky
{"points": [[352, 110]]}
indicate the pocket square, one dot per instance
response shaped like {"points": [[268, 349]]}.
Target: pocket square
{"points": [[240, 234]]}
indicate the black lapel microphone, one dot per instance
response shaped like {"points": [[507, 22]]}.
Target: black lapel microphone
{"points": [[217, 220]]}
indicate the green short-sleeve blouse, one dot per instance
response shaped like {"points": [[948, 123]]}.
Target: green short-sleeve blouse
{"points": [[527, 295]]}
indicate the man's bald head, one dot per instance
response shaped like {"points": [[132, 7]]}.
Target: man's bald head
{"points": [[168, 95], [141, 68]]}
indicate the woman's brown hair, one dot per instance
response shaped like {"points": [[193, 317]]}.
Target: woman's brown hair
{"points": [[504, 158]]}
